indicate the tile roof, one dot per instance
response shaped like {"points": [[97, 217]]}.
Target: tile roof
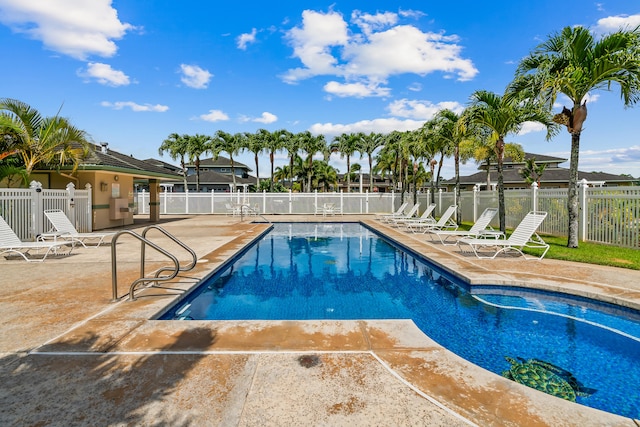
{"points": [[104, 158]]}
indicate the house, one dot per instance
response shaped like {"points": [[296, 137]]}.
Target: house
{"points": [[215, 175], [112, 177], [554, 176]]}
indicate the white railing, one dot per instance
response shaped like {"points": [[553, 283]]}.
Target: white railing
{"points": [[23, 208], [607, 215]]}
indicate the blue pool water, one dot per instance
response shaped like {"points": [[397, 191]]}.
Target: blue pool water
{"points": [[345, 271]]}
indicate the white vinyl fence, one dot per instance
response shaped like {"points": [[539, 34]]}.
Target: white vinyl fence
{"points": [[23, 208], [609, 215]]}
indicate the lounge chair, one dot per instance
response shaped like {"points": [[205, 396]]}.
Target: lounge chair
{"points": [[445, 222], [425, 217], [10, 242], [524, 236], [393, 221], [477, 230], [64, 229], [399, 212]]}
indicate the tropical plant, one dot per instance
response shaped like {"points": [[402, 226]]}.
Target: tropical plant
{"points": [[252, 143], [197, 146], [501, 116], [532, 171], [347, 144], [37, 140], [368, 145], [177, 147], [573, 63], [232, 144]]}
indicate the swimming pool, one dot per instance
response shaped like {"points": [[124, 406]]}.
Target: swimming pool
{"points": [[346, 271]]}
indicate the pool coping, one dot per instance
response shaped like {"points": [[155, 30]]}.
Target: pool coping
{"points": [[465, 389]]}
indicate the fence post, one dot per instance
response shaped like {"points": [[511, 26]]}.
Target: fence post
{"points": [[582, 218], [290, 202], [213, 199], [315, 201], [476, 191], [534, 196], [440, 200], [264, 201], [366, 204], [341, 201], [71, 204], [89, 212], [37, 212]]}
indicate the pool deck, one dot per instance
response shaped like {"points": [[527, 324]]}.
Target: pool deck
{"points": [[71, 356]]}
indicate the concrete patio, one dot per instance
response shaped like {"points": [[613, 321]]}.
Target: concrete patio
{"points": [[71, 356]]}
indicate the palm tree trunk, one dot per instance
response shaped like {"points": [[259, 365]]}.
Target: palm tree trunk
{"points": [[233, 171], [257, 173], [456, 157], [501, 204], [348, 174], [572, 200]]}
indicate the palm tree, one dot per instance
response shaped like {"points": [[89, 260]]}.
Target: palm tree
{"points": [[347, 145], [532, 172], [252, 143], [311, 145], [41, 140], [198, 145], [454, 131], [231, 144], [573, 63], [291, 142], [177, 147], [369, 144], [272, 141], [500, 116]]}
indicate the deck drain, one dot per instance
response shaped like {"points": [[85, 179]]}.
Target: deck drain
{"points": [[309, 361]]}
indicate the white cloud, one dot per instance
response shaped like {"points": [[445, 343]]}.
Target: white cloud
{"points": [[366, 126], [77, 28], [615, 23], [415, 87], [194, 76], [421, 110], [266, 118], [214, 116], [134, 106], [369, 23], [614, 160], [529, 127], [104, 74], [357, 90], [244, 39], [326, 45]]}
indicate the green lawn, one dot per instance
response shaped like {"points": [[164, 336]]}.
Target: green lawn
{"points": [[591, 253]]}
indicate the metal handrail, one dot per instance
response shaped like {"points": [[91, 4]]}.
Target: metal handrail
{"points": [[250, 209], [194, 257], [144, 243]]}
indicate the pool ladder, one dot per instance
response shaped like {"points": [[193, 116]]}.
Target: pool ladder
{"points": [[156, 277]]}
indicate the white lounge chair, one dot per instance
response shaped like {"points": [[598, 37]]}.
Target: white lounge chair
{"points": [[524, 236], [399, 212], [477, 230], [10, 242], [393, 221], [425, 217], [64, 229], [445, 222]]}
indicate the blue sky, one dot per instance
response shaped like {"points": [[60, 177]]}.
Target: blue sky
{"points": [[132, 72]]}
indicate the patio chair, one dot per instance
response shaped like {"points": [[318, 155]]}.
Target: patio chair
{"points": [[425, 217], [64, 229], [412, 212], [10, 242], [445, 222], [524, 236], [478, 229], [399, 212]]}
